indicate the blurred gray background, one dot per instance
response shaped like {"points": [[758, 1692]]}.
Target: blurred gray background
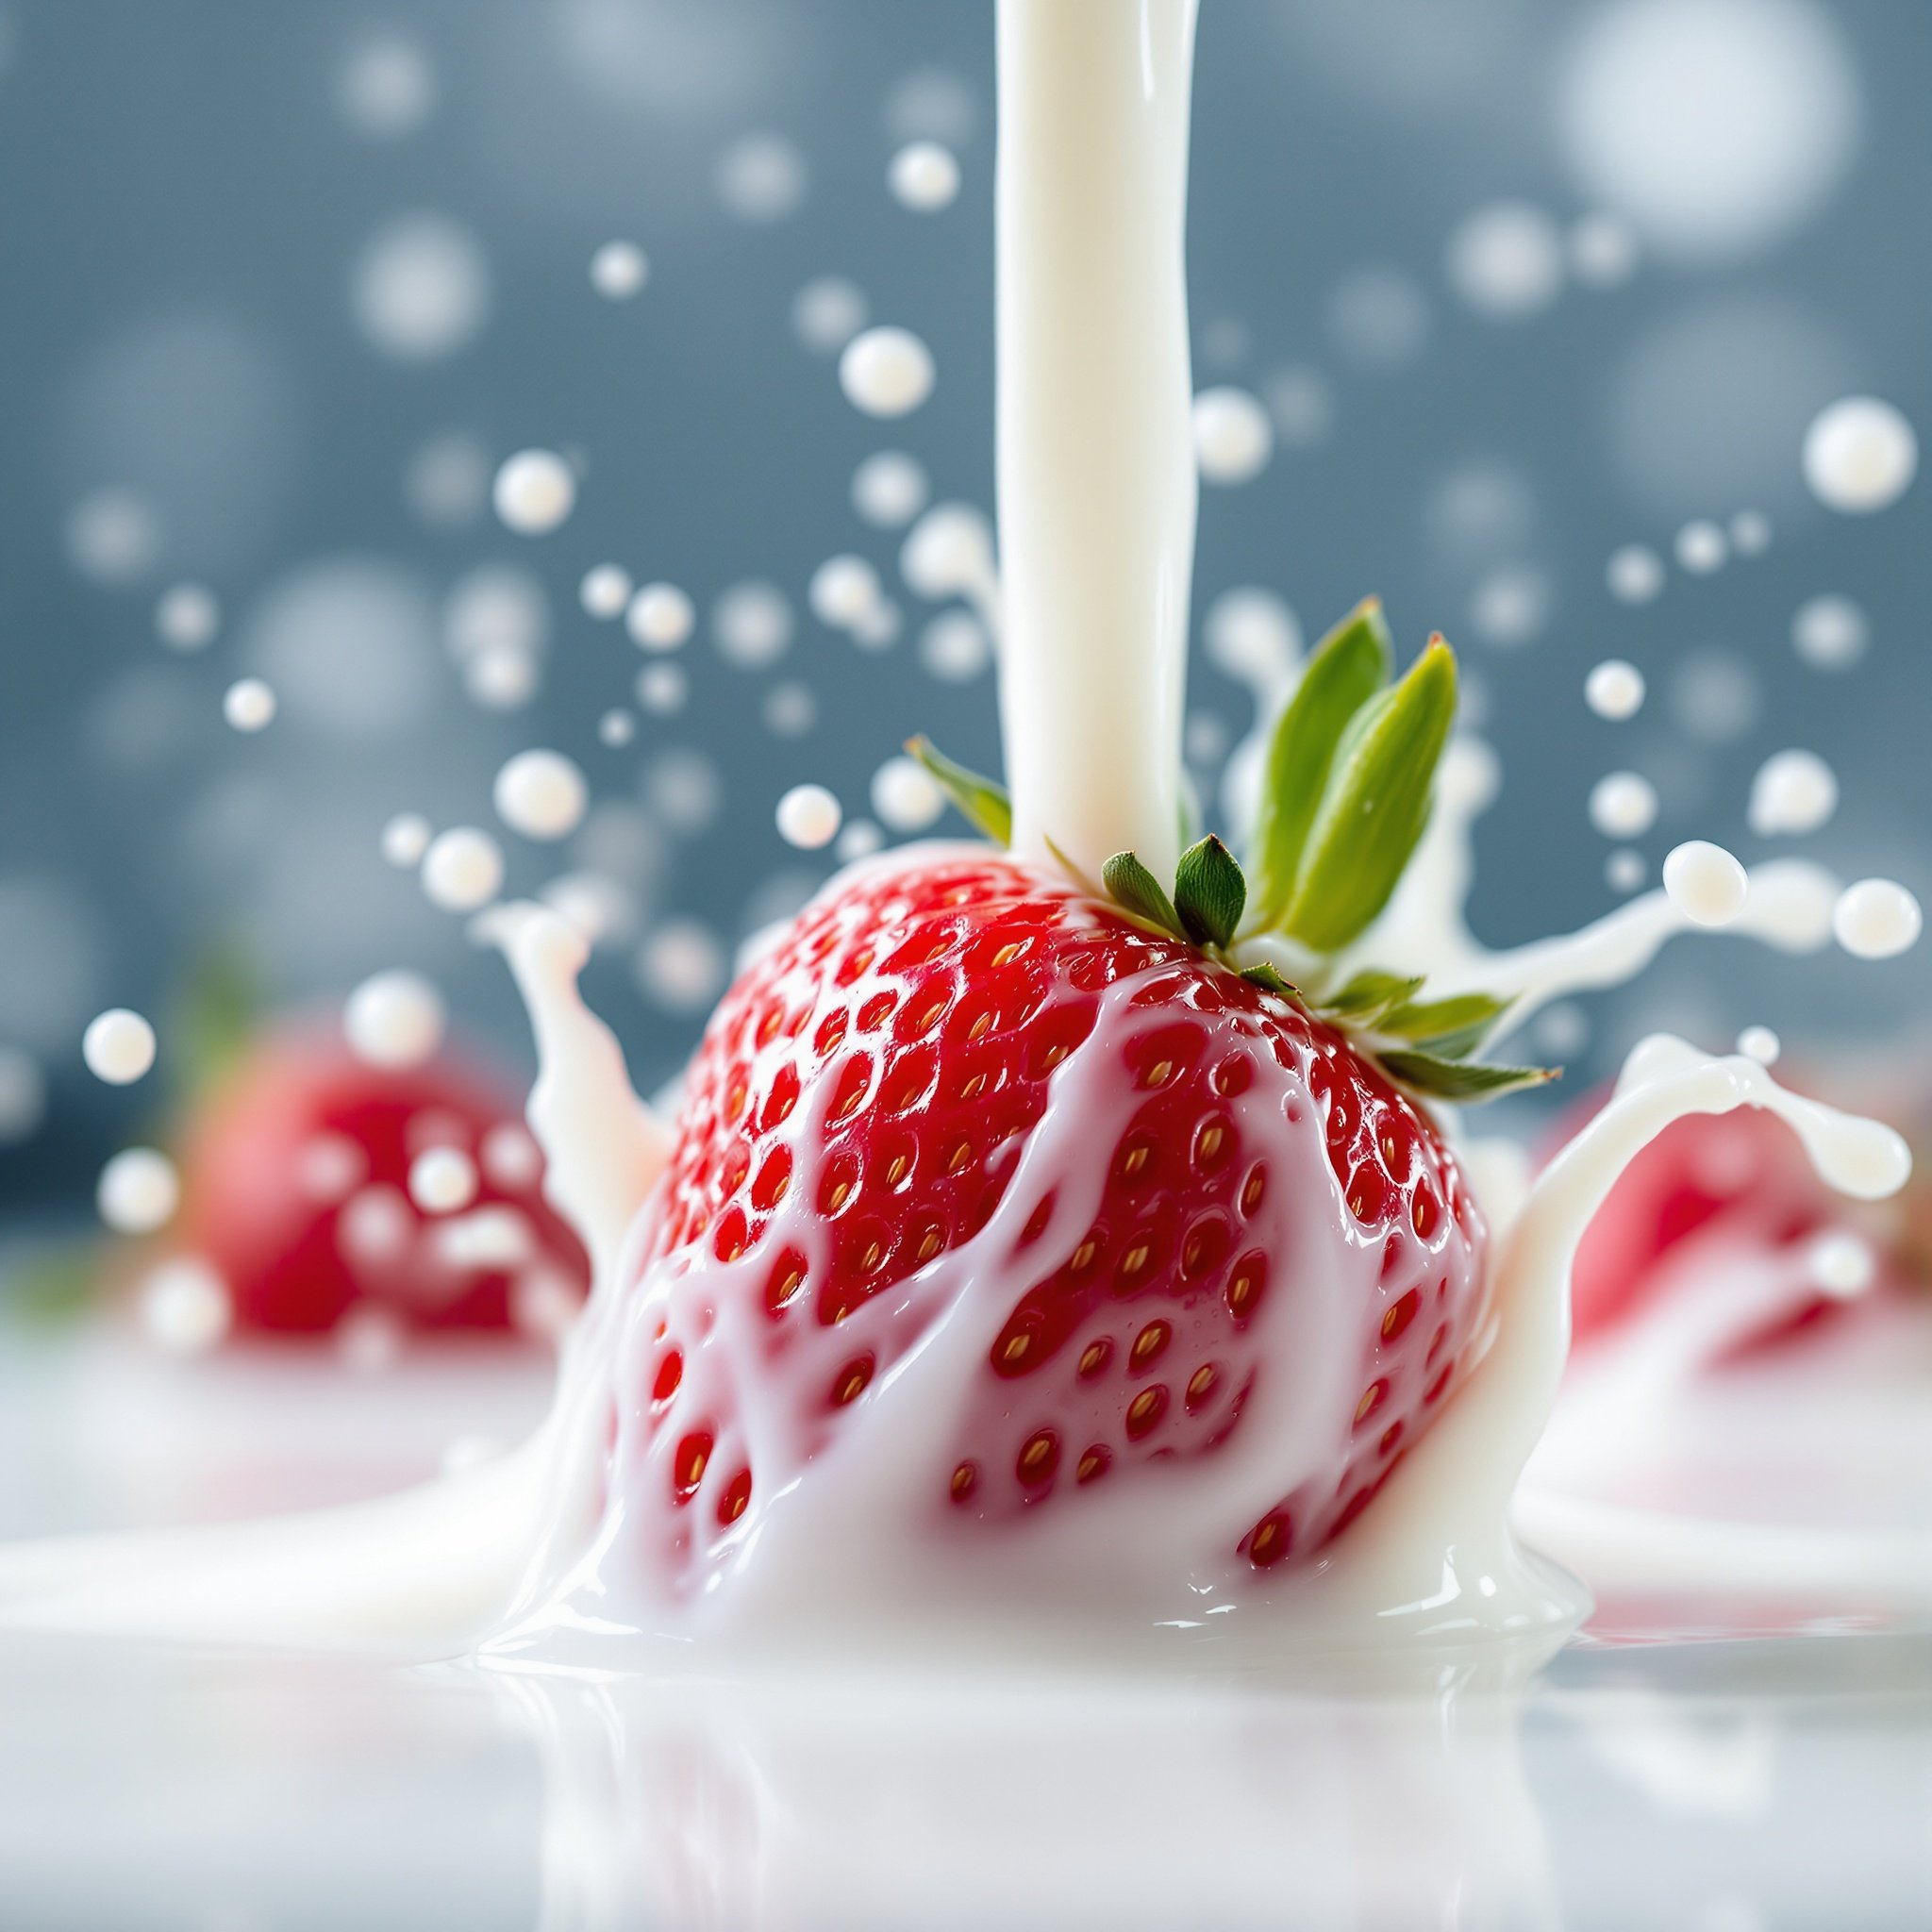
{"points": [[285, 284]]}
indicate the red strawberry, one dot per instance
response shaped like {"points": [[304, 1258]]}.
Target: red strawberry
{"points": [[296, 1188], [1142, 1197]]}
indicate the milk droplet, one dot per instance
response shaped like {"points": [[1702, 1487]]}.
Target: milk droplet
{"points": [[808, 817], [886, 372], [535, 491], [1233, 436], [1707, 884], [187, 617], [955, 648], [1614, 690], [1510, 608], [1624, 870], [1830, 633], [1635, 575], [1750, 532], [1877, 918], [375, 1225], [419, 289], [1602, 251], [369, 1341], [249, 705], [827, 312], [138, 1191], [1841, 1264], [906, 796], [1622, 805], [844, 590], [462, 869], [1761, 1044], [761, 178], [394, 1019], [605, 591], [790, 709], [185, 1307], [662, 688], [511, 1158], [619, 270], [1506, 261], [1702, 548], [1794, 793], [859, 840], [889, 489], [751, 624], [442, 1180], [1860, 455], [118, 1046], [924, 177], [405, 840], [541, 794], [948, 552], [681, 966], [616, 728], [387, 86], [659, 617]]}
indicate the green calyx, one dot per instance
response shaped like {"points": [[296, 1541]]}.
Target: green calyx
{"points": [[1349, 781]]}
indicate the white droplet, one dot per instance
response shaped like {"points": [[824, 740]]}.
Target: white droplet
{"points": [[1624, 870], [1794, 793], [827, 312], [619, 270], [118, 1046], [616, 728], [906, 796], [1707, 884], [405, 840], [1602, 251], [1761, 1044], [501, 678], [535, 491], [387, 86], [249, 705], [1750, 532], [684, 787], [1635, 575], [375, 1225], [751, 624], [113, 536], [394, 1019], [889, 489], [1841, 1264], [1614, 690], [1860, 455], [1877, 918], [421, 288], [1622, 804], [844, 590], [681, 966], [948, 553], [662, 688], [23, 1096], [859, 840], [187, 617], [1830, 633], [462, 869], [511, 1158], [659, 617], [1510, 608], [955, 648], [447, 480], [1701, 548], [1506, 261], [329, 1166], [605, 591], [808, 817], [369, 1340], [761, 178], [542, 794], [790, 709], [886, 372], [442, 1180], [924, 177], [1233, 436], [185, 1307], [138, 1191], [1714, 695]]}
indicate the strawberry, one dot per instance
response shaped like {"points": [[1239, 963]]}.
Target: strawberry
{"points": [[891, 1088], [295, 1189]]}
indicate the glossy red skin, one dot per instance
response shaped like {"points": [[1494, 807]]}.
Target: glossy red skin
{"points": [[929, 1012], [245, 1207], [1741, 1180]]}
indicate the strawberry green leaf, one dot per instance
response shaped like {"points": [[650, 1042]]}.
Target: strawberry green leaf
{"points": [[1368, 995], [1209, 892], [980, 801], [1269, 980], [1134, 887], [1444, 1079], [1448, 1028], [1376, 805], [1349, 666]]}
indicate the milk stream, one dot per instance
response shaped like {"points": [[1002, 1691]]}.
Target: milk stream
{"points": [[527, 1560]]}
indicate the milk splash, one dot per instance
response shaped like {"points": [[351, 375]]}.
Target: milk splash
{"points": [[528, 1556]]}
